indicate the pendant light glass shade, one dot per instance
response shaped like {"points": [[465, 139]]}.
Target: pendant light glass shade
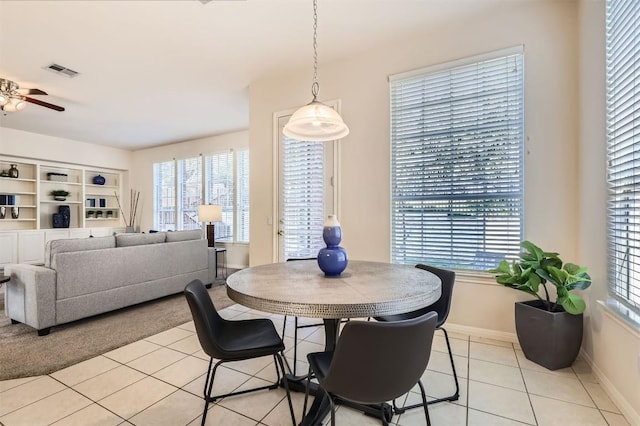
{"points": [[316, 122]]}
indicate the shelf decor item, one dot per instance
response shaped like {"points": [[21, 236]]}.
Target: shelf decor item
{"points": [[13, 171], [62, 219], [60, 194], [103, 202], [549, 332], [3, 212], [134, 198], [57, 177], [15, 212], [99, 180], [332, 259]]}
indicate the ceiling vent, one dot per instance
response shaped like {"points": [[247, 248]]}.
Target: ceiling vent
{"points": [[59, 69]]}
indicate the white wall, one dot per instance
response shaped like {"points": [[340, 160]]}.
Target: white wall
{"points": [[33, 145], [547, 30], [142, 178], [612, 346]]}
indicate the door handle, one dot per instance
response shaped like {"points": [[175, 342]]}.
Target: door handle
{"points": [[281, 232]]}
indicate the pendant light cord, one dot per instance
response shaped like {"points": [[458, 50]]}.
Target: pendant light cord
{"points": [[315, 87]]}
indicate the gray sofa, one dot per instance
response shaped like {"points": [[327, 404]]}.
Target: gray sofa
{"points": [[88, 276]]}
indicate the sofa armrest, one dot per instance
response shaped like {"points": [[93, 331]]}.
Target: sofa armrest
{"points": [[30, 295]]}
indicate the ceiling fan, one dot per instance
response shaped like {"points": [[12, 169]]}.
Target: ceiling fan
{"points": [[12, 98]]}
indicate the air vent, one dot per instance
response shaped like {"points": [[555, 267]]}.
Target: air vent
{"points": [[59, 69]]}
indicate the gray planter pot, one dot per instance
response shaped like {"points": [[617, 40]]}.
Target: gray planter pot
{"points": [[550, 339]]}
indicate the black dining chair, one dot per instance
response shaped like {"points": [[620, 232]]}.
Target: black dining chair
{"points": [[442, 306], [232, 341], [375, 362]]}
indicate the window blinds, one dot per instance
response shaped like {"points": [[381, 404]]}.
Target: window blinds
{"points": [[164, 195], [302, 198], [623, 143], [190, 195], [242, 195], [457, 164], [219, 190]]}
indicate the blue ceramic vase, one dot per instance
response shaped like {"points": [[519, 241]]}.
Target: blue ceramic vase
{"points": [[332, 259], [99, 180]]}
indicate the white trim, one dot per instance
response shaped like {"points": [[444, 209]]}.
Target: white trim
{"points": [[482, 332], [458, 63], [627, 410]]}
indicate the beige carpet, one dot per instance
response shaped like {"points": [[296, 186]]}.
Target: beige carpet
{"points": [[23, 353]]}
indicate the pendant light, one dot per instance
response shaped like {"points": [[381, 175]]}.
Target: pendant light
{"points": [[315, 122]]}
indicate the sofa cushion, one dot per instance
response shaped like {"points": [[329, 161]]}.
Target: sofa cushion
{"points": [[184, 236], [54, 247], [128, 240]]}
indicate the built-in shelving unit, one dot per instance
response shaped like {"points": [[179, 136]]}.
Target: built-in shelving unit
{"points": [[28, 196]]}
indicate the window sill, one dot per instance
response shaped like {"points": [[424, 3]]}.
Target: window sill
{"points": [[622, 315]]}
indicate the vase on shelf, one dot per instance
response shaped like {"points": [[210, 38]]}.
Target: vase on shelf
{"points": [[98, 180], [3, 212], [15, 212], [332, 259], [13, 171]]}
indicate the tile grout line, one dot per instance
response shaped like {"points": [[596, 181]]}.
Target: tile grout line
{"points": [[535, 418], [595, 404]]}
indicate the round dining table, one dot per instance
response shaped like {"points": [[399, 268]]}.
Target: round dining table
{"points": [[365, 289]]}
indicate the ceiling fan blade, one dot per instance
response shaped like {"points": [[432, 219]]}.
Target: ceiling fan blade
{"points": [[31, 92], [44, 104]]}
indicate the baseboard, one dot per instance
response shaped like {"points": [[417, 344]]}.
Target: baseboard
{"points": [[482, 332], [230, 266], [621, 402]]}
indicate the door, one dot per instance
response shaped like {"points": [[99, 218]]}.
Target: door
{"points": [[306, 193]]}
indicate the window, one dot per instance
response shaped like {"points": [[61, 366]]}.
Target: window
{"points": [[182, 185], [164, 195], [457, 162], [219, 190], [190, 193], [623, 149]]}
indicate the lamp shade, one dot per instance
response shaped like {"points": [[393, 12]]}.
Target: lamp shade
{"points": [[209, 213], [316, 122]]}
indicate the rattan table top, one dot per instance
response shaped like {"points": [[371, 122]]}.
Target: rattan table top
{"points": [[364, 289]]}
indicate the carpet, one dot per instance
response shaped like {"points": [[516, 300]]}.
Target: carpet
{"points": [[23, 353]]}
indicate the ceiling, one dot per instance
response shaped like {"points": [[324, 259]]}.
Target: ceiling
{"points": [[157, 72]]}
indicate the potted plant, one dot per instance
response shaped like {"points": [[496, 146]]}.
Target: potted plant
{"points": [[60, 194], [549, 332]]}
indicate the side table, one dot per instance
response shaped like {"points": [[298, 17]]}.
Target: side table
{"points": [[214, 253]]}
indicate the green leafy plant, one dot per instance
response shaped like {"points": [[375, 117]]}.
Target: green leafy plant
{"points": [[60, 193], [537, 268]]}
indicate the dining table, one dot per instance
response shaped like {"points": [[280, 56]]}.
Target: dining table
{"points": [[365, 289]]}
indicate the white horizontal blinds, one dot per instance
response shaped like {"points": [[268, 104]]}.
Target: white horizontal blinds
{"points": [[623, 136], [242, 195], [219, 190], [190, 194], [302, 198], [457, 164], [164, 196]]}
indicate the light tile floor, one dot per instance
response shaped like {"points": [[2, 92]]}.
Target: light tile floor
{"points": [[159, 381]]}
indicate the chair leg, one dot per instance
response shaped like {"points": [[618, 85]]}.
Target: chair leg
{"points": [[286, 387], [333, 409], [295, 344], [306, 393], [454, 397], [424, 402], [207, 392]]}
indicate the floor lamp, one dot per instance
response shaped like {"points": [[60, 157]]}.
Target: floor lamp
{"points": [[210, 213]]}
